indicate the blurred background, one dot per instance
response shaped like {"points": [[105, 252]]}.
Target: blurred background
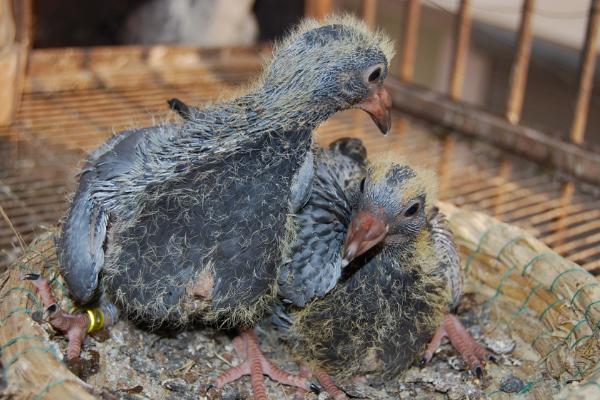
{"points": [[558, 29], [500, 97]]}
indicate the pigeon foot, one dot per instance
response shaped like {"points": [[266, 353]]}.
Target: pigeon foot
{"points": [[324, 379], [329, 385], [74, 326], [471, 351], [256, 365]]}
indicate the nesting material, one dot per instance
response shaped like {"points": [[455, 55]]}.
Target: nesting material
{"points": [[549, 303], [537, 311]]}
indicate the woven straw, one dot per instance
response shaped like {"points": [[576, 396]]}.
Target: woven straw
{"points": [[551, 304]]}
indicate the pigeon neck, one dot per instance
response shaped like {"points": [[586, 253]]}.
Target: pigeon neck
{"points": [[287, 111], [400, 251], [410, 251]]}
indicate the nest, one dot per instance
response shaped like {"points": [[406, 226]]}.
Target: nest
{"points": [[518, 289]]}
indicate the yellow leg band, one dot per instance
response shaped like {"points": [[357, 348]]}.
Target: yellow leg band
{"points": [[96, 319]]}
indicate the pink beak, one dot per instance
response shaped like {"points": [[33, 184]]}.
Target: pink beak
{"points": [[364, 232], [379, 107]]}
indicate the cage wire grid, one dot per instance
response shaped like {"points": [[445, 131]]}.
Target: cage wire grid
{"points": [[74, 99]]}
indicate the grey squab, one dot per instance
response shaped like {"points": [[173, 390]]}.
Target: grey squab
{"points": [[382, 298], [191, 221]]}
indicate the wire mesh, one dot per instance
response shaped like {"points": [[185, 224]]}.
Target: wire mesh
{"points": [[75, 99]]}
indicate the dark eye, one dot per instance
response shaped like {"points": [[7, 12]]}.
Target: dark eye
{"points": [[373, 76], [412, 210], [362, 185]]}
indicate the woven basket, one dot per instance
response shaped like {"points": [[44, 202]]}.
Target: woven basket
{"points": [[551, 305]]}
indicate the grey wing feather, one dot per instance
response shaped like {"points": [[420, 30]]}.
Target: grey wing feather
{"points": [[449, 260], [83, 237], [279, 318], [80, 246], [315, 263], [302, 184]]}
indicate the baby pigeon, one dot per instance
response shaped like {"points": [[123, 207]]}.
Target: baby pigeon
{"points": [[191, 221], [397, 282], [321, 225]]}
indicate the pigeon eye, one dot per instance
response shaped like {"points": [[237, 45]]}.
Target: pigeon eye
{"points": [[412, 210], [362, 185], [373, 76], [374, 73]]}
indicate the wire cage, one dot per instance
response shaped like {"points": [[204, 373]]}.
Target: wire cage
{"points": [[533, 272]]}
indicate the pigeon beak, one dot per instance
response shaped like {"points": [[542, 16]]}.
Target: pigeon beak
{"points": [[365, 231], [379, 106]]}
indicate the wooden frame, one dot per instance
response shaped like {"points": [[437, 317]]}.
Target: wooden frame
{"points": [[15, 27], [461, 49], [317, 8], [535, 145], [506, 132], [15, 24], [586, 74], [518, 75], [409, 40]]}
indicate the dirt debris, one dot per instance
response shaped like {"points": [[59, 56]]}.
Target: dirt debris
{"points": [[129, 362]]}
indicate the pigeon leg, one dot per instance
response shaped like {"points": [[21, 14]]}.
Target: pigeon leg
{"points": [[471, 351], [434, 344], [74, 326], [256, 365], [304, 373], [329, 385], [324, 379]]}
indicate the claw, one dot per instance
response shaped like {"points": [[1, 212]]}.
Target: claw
{"points": [[478, 372], [74, 327], [256, 365], [329, 385], [315, 388], [32, 276], [208, 388], [470, 350]]}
